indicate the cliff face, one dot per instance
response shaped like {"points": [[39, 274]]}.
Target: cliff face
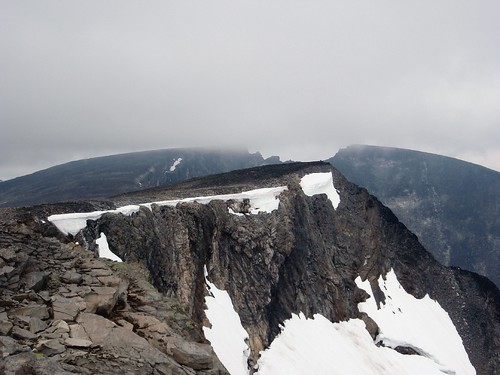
{"points": [[306, 254], [303, 257]]}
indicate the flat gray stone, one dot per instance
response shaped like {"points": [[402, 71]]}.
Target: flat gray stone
{"points": [[76, 331], [5, 327], [38, 311], [37, 325], [22, 334], [65, 309], [78, 343]]}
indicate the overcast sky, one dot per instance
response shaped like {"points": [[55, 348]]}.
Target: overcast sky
{"points": [[298, 79]]}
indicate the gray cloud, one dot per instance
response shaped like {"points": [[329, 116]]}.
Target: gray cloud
{"points": [[294, 78]]}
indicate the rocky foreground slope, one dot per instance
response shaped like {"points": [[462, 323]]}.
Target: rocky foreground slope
{"points": [[63, 311], [311, 253]]}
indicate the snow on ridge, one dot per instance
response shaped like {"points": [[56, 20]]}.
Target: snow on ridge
{"points": [[74, 222], [226, 335], [261, 200], [421, 324], [320, 183], [104, 250], [176, 163]]}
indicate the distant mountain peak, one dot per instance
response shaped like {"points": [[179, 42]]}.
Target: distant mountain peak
{"points": [[452, 205]]}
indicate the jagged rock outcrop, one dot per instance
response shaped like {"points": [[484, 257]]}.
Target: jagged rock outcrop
{"points": [[303, 257]]}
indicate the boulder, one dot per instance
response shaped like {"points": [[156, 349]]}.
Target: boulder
{"points": [[22, 363], [71, 277], [102, 300], [8, 255], [192, 354], [9, 346], [35, 280], [5, 327], [50, 347]]}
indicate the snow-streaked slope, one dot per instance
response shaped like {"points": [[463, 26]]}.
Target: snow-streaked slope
{"points": [[104, 251], [318, 346], [227, 335], [320, 183], [421, 324]]}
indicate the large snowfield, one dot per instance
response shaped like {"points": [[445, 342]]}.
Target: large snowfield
{"points": [[316, 345]]}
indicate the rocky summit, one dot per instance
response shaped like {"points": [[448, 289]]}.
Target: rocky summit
{"points": [[272, 245]]}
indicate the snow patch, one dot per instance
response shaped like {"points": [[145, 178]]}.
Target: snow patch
{"points": [[421, 324], [74, 222], [320, 183], [318, 346], [227, 335], [104, 251], [176, 163]]}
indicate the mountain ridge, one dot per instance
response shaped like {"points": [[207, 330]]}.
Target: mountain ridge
{"points": [[294, 244], [100, 177]]}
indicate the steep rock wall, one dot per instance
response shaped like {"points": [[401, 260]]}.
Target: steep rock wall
{"points": [[303, 257]]}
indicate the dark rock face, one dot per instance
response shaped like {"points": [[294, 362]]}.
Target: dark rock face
{"points": [[303, 257], [116, 174], [451, 205]]}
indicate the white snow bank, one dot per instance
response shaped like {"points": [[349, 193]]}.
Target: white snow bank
{"points": [[421, 324], [176, 163], [74, 222], [318, 346], [261, 200], [104, 251], [320, 183], [227, 335]]}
